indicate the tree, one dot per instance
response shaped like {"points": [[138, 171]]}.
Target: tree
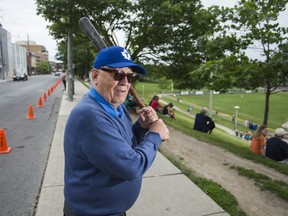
{"points": [[253, 24], [257, 22], [64, 17], [43, 67], [175, 33], [165, 84]]}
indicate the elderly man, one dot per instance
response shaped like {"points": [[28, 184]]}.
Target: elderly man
{"points": [[276, 148], [203, 122], [105, 154]]}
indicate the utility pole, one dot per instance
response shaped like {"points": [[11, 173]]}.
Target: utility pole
{"points": [[70, 64], [29, 57], [1, 54]]}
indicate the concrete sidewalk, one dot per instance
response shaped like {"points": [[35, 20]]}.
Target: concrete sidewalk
{"points": [[165, 191]]}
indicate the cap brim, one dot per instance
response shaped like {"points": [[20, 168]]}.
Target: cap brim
{"points": [[135, 67]]}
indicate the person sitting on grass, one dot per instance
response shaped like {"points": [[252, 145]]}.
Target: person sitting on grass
{"points": [[203, 122], [168, 111], [258, 140], [154, 103], [276, 148]]}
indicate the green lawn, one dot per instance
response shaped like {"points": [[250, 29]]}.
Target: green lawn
{"points": [[251, 105]]}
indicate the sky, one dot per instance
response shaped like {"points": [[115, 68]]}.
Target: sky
{"points": [[19, 18]]}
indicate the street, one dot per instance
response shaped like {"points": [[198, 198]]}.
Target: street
{"points": [[22, 169]]}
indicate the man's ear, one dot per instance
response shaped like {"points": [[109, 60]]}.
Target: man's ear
{"points": [[94, 74]]}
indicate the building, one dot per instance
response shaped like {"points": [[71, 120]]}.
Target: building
{"points": [[35, 54], [19, 62], [12, 56], [5, 53]]}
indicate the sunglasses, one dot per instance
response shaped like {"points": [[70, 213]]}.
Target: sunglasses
{"points": [[119, 75]]}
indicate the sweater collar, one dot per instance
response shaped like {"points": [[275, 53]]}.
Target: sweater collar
{"points": [[105, 105]]}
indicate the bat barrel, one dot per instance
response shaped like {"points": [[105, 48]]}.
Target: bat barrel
{"points": [[92, 33]]}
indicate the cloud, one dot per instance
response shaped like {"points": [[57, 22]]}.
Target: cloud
{"points": [[20, 19]]}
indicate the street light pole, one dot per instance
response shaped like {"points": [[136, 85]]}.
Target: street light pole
{"points": [[142, 91], [1, 54], [210, 103], [236, 108]]}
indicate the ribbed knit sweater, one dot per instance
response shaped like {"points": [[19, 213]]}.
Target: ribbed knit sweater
{"points": [[105, 157]]}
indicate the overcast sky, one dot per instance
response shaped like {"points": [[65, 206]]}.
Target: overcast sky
{"points": [[20, 19]]}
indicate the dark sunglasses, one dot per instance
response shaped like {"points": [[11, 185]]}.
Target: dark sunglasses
{"points": [[119, 75]]}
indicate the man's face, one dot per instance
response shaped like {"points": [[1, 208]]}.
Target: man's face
{"points": [[113, 91]]}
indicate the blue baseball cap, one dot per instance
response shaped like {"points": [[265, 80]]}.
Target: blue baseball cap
{"points": [[117, 57]]}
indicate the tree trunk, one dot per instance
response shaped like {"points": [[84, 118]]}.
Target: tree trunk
{"points": [[266, 111]]}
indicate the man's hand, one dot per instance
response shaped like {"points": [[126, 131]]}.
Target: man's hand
{"points": [[147, 116], [159, 126]]}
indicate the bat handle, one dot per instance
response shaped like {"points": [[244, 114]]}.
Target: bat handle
{"points": [[136, 97]]}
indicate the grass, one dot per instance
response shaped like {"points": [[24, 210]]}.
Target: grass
{"points": [[279, 188], [221, 196], [223, 140], [219, 137], [251, 105]]}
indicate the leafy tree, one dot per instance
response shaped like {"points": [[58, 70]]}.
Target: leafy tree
{"points": [[43, 67], [175, 33], [257, 22], [201, 39], [64, 16], [253, 24], [165, 84]]}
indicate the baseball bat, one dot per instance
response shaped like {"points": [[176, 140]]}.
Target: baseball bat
{"points": [[99, 44]]}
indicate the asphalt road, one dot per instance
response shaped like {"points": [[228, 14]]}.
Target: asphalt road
{"points": [[21, 170]]}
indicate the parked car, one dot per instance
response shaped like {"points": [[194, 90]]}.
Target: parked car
{"points": [[20, 77], [58, 73]]}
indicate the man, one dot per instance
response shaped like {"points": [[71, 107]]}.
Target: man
{"points": [[105, 155], [64, 80], [203, 122], [276, 148]]}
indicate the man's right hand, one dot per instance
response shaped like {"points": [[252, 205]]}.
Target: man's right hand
{"points": [[160, 127]]}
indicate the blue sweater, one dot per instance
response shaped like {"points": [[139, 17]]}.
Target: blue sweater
{"points": [[105, 158]]}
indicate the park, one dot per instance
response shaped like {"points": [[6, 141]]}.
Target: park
{"points": [[221, 154]]}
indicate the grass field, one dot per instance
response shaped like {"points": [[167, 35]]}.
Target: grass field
{"points": [[251, 105]]}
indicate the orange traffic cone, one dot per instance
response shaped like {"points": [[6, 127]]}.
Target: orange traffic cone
{"points": [[30, 114], [40, 104], [45, 96], [4, 149], [49, 92]]}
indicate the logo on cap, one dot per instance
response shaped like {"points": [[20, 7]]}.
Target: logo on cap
{"points": [[126, 55]]}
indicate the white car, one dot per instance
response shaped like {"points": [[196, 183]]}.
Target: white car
{"points": [[58, 73]]}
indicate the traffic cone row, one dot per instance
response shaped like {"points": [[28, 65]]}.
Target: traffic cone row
{"points": [[4, 148], [30, 114]]}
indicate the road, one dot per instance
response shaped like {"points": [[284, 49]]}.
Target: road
{"points": [[22, 169]]}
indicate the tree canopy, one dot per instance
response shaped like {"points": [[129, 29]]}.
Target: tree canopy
{"points": [[180, 40]]}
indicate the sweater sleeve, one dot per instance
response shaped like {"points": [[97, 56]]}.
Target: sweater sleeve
{"points": [[138, 131]]}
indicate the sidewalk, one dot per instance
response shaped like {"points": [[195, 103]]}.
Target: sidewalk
{"points": [[165, 190]]}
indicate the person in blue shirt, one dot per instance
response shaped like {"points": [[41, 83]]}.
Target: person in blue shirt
{"points": [[203, 122], [106, 155]]}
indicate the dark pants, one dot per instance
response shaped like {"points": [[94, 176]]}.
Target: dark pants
{"points": [[64, 83], [69, 212], [210, 127]]}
